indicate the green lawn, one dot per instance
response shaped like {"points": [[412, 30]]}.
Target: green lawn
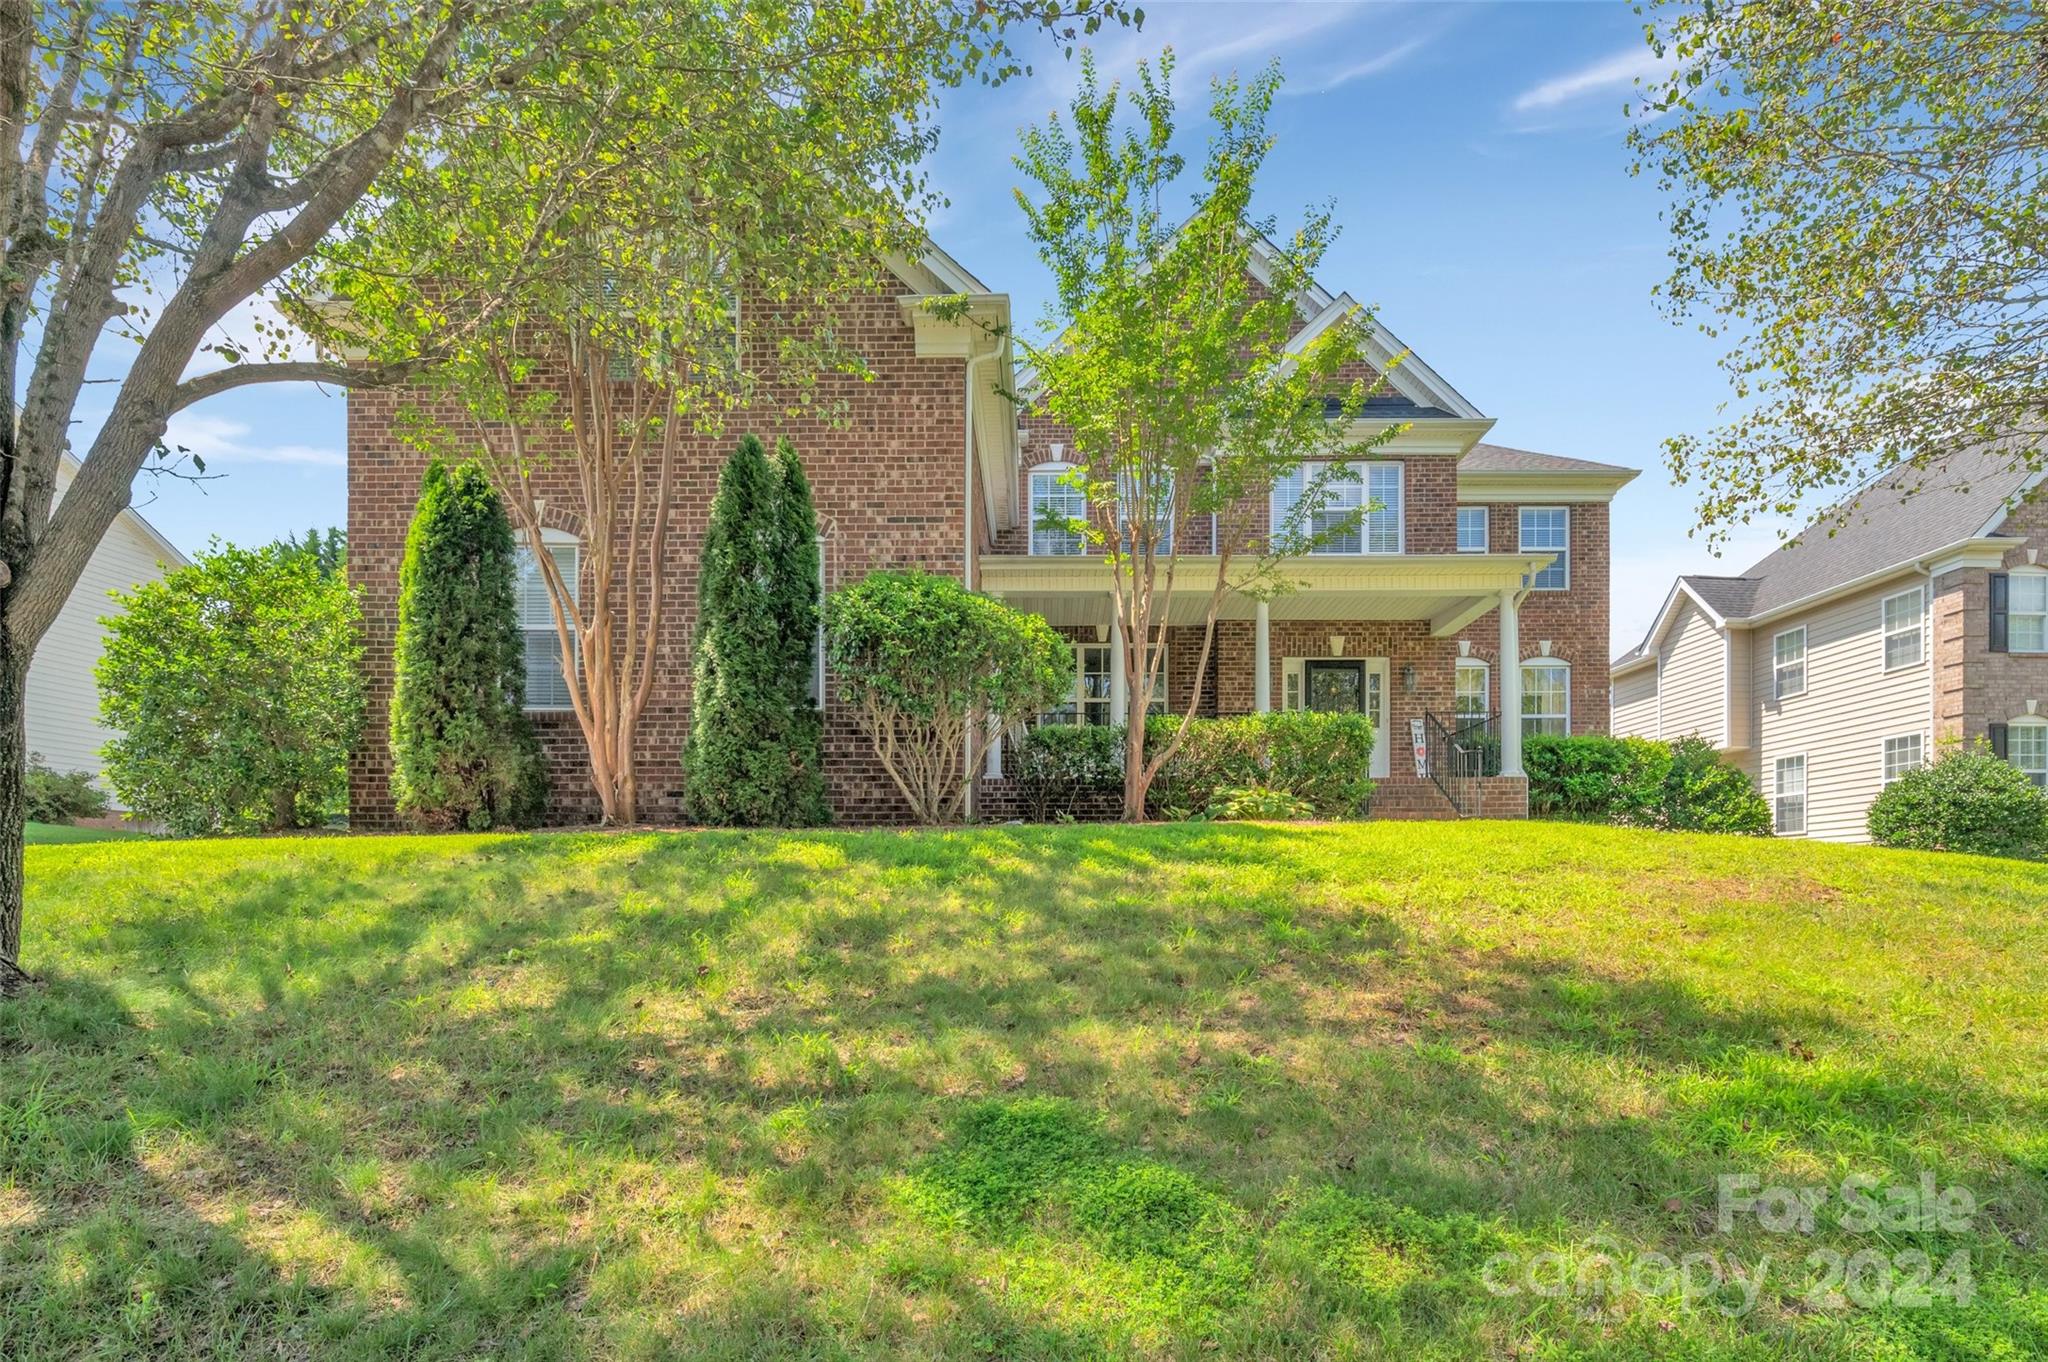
{"points": [[1191, 1091], [48, 834]]}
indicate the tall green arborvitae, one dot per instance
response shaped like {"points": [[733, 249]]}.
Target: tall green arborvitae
{"points": [[463, 753], [753, 749]]}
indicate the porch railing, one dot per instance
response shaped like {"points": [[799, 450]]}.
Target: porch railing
{"points": [[1462, 749]]}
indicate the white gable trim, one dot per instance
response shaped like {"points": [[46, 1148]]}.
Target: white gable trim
{"points": [[1411, 378]]}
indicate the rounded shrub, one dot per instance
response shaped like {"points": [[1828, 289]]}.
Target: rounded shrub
{"points": [[1967, 800]]}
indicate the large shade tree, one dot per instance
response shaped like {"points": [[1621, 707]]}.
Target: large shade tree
{"points": [[166, 165], [1858, 206]]}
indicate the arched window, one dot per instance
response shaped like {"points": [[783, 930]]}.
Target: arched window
{"points": [[1469, 698], [1546, 697], [546, 685], [1057, 502]]}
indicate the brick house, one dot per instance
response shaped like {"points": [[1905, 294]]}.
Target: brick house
{"points": [[1848, 656], [1476, 553]]}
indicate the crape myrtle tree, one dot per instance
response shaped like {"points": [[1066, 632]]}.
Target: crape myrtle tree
{"points": [[1857, 205], [165, 165], [1170, 364], [753, 755], [613, 307], [462, 752]]}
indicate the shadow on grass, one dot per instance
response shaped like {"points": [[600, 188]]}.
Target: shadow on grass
{"points": [[487, 1101]]}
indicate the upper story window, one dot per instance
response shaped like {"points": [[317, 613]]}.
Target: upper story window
{"points": [[1057, 501], [1345, 491], [1905, 629], [1471, 529], [547, 686], [1549, 527], [1788, 663], [1546, 697], [2026, 612]]}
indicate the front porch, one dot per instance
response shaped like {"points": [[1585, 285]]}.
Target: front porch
{"points": [[1403, 639]]}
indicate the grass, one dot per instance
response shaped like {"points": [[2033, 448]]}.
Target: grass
{"points": [[49, 834], [1181, 1091]]}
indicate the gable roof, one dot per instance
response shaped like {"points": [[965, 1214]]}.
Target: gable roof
{"points": [[1900, 517]]}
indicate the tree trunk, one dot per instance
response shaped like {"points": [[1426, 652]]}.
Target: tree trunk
{"points": [[13, 808]]}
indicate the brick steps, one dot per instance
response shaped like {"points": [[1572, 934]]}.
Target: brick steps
{"points": [[1410, 799]]}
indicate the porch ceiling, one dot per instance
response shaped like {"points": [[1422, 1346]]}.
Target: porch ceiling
{"points": [[1448, 590]]}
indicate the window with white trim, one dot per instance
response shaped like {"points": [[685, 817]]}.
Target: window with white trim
{"points": [[1788, 807], [1342, 495], [1057, 500], [1468, 699], [1788, 663], [1906, 752], [1549, 528], [2026, 746], [1905, 629], [1546, 697], [546, 686], [1094, 688], [1471, 529], [2026, 620]]}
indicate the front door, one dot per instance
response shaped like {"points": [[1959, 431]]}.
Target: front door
{"points": [[1351, 686]]}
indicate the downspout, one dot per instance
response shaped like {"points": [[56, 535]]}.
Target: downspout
{"points": [[967, 540]]}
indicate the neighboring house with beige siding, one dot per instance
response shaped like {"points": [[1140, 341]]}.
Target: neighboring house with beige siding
{"points": [[1918, 618], [62, 701]]}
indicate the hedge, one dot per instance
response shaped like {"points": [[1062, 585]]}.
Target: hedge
{"points": [[1968, 800], [1682, 786], [1321, 759]]}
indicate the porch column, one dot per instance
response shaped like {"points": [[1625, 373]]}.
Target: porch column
{"points": [[1510, 687], [1262, 662]]}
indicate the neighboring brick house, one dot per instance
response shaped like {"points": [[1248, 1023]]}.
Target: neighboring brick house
{"points": [[1851, 654], [1478, 553]]}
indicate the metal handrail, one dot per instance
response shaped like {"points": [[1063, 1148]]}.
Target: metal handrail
{"points": [[1461, 751]]}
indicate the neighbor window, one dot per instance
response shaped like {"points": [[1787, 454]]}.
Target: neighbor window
{"points": [[1471, 529], [1055, 502], [1469, 699], [2027, 617], [1549, 528], [2026, 746], [1907, 752], [1344, 491], [1788, 815], [1788, 663], [1546, 698], [546, 686], [1904, 629]]}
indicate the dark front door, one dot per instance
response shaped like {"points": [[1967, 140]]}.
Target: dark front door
{"points": [[1337, 687]]}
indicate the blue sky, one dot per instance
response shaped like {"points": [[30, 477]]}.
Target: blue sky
{"points": [[1475, 157]]}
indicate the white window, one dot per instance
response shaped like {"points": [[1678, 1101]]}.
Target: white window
{"points": [[1546, 697], [1057, 501], [1471, 529], [1343, 493], [1789, 809], [1906, 752], [1094, 688], [2026, 626], [546, 686], [1469, 699], [2026, 746], [1549, 528], [1788, 663], [1905, 631]]}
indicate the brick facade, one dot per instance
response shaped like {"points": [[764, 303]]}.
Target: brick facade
{"points": [[886, 472], [1973, 686]]}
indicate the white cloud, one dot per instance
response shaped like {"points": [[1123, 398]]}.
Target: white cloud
{"points": [[1615, 74], [1372, 66], [219, 440]]}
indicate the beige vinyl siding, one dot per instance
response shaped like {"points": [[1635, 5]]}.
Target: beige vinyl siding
{"points": [[62, 698], [1693, 678], [1632, 703], [1850, 706], [1741, 691]]}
